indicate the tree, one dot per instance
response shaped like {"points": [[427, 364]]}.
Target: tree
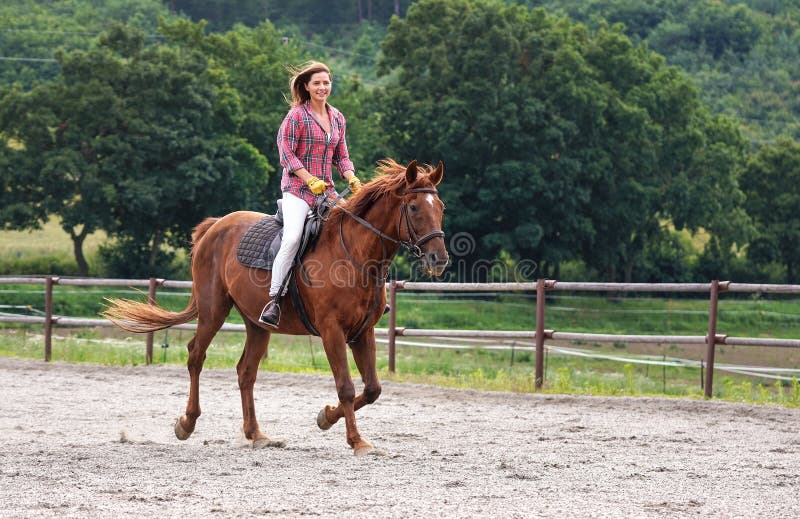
{"points": [[771, 182], [33, 31], [560, 143], [141, 141]]}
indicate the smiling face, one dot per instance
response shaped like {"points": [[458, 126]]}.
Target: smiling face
{"points": [[319, 86]]}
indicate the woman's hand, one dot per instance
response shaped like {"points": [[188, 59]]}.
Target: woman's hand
{"points": [[316, 185], [355, 184]]}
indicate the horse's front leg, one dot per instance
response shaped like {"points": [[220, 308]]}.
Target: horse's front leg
{"points": [[336, 351], [364, 355]]}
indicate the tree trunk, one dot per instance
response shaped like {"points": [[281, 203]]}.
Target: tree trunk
{"points": [[77, 249], [369, 10], [360, 19], [397, 7], [628, 271], [151, 263]]}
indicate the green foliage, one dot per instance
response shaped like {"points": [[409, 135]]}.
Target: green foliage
{"points": [[120, 259], [141, 141], [38, 29], [771, 181], [45, 264], [304, 13], [563, 384], [744, 56], [568, 144], [561, 141]]}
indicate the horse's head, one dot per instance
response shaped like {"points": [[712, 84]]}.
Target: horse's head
{"points": [[421, 219]]}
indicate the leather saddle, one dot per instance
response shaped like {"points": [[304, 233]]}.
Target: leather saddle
{"points": [[260, 243]]}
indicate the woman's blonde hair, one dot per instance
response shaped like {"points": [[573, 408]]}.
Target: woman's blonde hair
{"points": [[302, 75]]}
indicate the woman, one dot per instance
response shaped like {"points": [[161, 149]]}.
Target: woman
{"points": [[310, 139]]}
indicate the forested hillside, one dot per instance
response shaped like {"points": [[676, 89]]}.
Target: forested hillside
{"points": [[744, 55], [610, 139]]}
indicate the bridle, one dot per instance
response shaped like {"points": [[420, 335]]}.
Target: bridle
{"points": [[414, 242]]}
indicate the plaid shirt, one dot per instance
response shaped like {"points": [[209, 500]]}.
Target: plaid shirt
{"points": [[302, 143]]}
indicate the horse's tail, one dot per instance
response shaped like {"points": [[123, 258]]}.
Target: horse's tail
{"points": [[138, 317], [201, 230]]}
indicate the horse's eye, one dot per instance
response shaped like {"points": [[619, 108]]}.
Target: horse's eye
{"points": [[413, 208]]}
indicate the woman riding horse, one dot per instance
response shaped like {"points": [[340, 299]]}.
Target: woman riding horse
{"points": [[311, 137], [340, 282]]}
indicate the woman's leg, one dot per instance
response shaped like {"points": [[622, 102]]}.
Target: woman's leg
{"points": [[294, 216], [295, 210]]}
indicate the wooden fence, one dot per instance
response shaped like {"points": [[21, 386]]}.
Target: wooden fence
{"points": [[538, 333]]}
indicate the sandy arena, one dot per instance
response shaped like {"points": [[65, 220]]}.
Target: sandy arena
{"points": [[96, 441]]}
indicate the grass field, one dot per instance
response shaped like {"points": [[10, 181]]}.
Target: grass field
{"points": [[465, 365], [45, 251], [51, 240]]}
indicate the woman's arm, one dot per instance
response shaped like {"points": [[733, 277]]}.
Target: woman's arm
{"points": [[341, 156], [289, 135]]}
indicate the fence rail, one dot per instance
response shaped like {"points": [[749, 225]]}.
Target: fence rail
{"points": [[538, 334]]}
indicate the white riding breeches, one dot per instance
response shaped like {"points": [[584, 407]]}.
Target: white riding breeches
{"points": [[295, 210]]}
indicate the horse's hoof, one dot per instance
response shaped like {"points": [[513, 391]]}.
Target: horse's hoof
{"points": [[266, 443], [322, 420], [261, 442], [180, 432], [362, 449]]}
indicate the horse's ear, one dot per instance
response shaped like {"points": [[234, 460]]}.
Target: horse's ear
{"points": [[411, 172], [437, 174]]}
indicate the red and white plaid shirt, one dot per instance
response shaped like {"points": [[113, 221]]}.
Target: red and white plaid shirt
{"points": [[302, 143]]}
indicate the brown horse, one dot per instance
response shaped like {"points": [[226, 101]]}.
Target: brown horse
{"points": [[341, 282]]}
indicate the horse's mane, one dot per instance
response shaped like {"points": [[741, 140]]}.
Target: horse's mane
{"points": [[391, 177]]}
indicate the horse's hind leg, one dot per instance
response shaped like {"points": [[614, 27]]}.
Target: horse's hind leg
{"points": [[254, 348], [209, 321]]}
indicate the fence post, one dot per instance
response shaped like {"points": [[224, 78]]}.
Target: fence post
{"points": [[48, 318], [711, 338], [540, 284], [151, 299], [392, 322]]}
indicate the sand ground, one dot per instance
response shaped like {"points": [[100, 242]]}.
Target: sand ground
{"points": [[97, 441]]}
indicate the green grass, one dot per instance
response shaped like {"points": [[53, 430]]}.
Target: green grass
{"points": [[44, 251], [463, 368], [50, 240], [467, 366]]}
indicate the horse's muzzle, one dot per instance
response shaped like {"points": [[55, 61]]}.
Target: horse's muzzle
{"points": [[435, 262]]}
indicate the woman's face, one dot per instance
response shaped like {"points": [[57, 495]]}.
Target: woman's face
{"points": [[319, 86]]}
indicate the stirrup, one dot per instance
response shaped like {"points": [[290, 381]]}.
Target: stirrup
{"points": [[271, 314]]}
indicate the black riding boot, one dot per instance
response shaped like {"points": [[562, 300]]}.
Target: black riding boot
{"points": [[271, 314]]}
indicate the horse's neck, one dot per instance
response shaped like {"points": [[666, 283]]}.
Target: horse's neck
{"points": [[362, 244]]}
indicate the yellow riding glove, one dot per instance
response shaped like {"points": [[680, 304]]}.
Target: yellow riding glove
{"points": [[316, 185], [355, 184]]}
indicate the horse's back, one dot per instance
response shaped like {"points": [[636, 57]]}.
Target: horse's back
{"points": [[216, 239]]}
